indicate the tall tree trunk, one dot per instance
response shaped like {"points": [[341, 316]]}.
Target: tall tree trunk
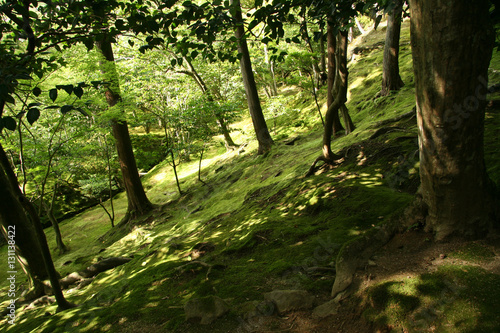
{"points": [[332, 73], [13, 211], [259, 123], [452, 42], [391, 80], [138, 203], [27, 247], [340, 96]]}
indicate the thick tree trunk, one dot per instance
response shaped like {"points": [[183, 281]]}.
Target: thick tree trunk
{"points": [[258, 120], [138, 203], [27, 247], [391, 80], [332, 73], [452, 42], [13, 211]]}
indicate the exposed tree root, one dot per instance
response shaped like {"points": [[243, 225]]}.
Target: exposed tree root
{"points": [[330, 161], [196, 262], [93, 270]]}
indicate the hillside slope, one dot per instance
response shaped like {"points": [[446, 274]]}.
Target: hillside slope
{"points": [[259, 225]]}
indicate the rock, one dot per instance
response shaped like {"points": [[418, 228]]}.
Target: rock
{"points": [[326, 309], [207, 309], [253, 309], [288, 300]]}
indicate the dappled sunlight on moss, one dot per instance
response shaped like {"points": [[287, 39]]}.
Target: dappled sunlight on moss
{"points": [[263, 223], [443, 301]]}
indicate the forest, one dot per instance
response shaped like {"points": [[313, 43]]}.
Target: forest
{"points": [[250, 166]]}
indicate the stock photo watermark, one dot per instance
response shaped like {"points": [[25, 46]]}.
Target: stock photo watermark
{"points": [[11, 273]]}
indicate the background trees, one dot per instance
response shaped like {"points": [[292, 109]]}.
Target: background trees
{"points": [[391, 80]]}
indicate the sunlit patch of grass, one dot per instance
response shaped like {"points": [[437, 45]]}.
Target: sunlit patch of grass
{"points": [[453, 299], [474, 252]]}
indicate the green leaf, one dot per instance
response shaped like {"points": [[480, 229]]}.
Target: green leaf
{"points": [[22, 77], [9, 99], [173, 62], [95, 83], [9, 123], [131, 43], [82, 111], [194, 54], [68, 88], [37, 91], [33, 115], [66, 108], [120, 24], [78, 91], [52, 107], [53, 94]]}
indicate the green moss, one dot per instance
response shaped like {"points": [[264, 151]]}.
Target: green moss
{"points": [[474, 252], [453, 299]]}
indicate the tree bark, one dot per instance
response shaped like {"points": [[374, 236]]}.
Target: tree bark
{"points": [[27, 247], [332, 73], [259, 123], [340, 96], [391, 80], [138, 203], [452, 43], [13, 211]]}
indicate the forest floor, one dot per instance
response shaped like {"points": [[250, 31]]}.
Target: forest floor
{"points": [[260, 225], [412, 259]]}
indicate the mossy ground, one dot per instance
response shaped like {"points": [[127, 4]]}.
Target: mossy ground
{"points": [[261, 224]]}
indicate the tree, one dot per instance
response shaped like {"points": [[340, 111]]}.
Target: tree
{"points": [[12, 214], [452, 42], [332, 73], [391, 80], [19, 62], [340, 94], [138, 203], [258, 120]]}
